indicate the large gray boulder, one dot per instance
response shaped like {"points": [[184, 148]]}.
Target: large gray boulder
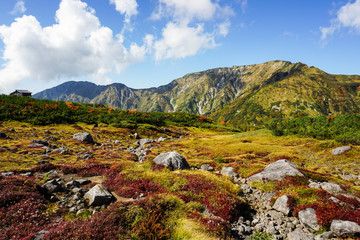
{"points": [[99, 195], [308, 218], [229, 171], [172, 160], [277, 171], [345, 228], [281, 205], [340, 150], [83, 137]]}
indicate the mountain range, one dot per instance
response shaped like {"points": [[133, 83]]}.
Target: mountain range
{"points": [[247, 96]]}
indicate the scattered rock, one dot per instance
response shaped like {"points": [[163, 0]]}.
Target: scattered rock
{"points": [[308, 218], [162, 139], [2, 135], [299, 234], [206, 167], [172, 160], [136, 136], [83, 181], [345, 228], [99, 195], [144, 141], [72, 184], [87, 156], [281, 205], [340, 150], [44, 143], [331, 187], [277, 171], [246, 188], [83, 137], [7, 174], [229, 171], [52, 186], [40, 235], [36, 145]]}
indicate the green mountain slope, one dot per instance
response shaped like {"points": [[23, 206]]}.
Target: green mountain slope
{"points": [[247, 96]]}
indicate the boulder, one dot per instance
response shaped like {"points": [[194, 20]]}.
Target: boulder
{"points": [[7, 174], [281, 205], [161, 139], [83, 137], [52, 186], [229, 171], [299, 234], [277, 171], [99, 195], [345, 228], [308, 218], [331, 187], [172, 160], [340, 150]]}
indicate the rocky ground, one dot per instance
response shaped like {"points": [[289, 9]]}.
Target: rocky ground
{"points": [[268, 215]]}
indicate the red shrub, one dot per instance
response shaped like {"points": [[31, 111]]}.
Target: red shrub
{"points": [[131, 188], [291, 181], [43, 167], [97, 169]]}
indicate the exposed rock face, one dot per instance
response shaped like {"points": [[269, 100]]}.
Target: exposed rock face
{"points": [[281, 205], [345, 227], [340, 150], [277, 171], [83, 137], [172, 160], [308, 218], [99, 195], [229, 171]]}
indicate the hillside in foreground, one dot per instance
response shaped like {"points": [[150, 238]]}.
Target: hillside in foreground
{"points": [[49, 172], [245, 96]]}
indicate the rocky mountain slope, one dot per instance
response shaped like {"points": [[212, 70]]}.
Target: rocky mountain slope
{"points": [[247, 96]]}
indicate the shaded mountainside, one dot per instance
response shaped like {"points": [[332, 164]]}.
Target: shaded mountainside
{"points": [[247, 96]]}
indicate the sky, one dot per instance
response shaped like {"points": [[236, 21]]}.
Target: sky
{"points": [[149, 43]]}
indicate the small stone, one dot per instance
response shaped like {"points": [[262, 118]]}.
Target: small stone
{"points": [[52, 186], [83, 137], [246, 188], [229, 171], [73, 209], [206, 167], [2, 135], [340, 150], [331, 187]]}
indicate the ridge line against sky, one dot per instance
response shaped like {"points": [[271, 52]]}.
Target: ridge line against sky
{"points": [[150, 43]]}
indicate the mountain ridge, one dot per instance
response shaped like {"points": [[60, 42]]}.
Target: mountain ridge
{"points": [[248, 95]]}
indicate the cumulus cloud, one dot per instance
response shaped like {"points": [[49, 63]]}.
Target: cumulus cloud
{"points": [[127, 7], [180, 41], [76, 45], [347, 16], [19, 8], [185, 34]]}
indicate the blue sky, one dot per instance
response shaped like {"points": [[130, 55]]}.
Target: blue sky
{"points": [[150, 43]]}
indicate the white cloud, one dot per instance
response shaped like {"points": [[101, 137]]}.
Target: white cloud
{"points": [[19, 8], [180, 41], [127, 7], [347, 16], [76, 45], [189, 9], [185, 34]]}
